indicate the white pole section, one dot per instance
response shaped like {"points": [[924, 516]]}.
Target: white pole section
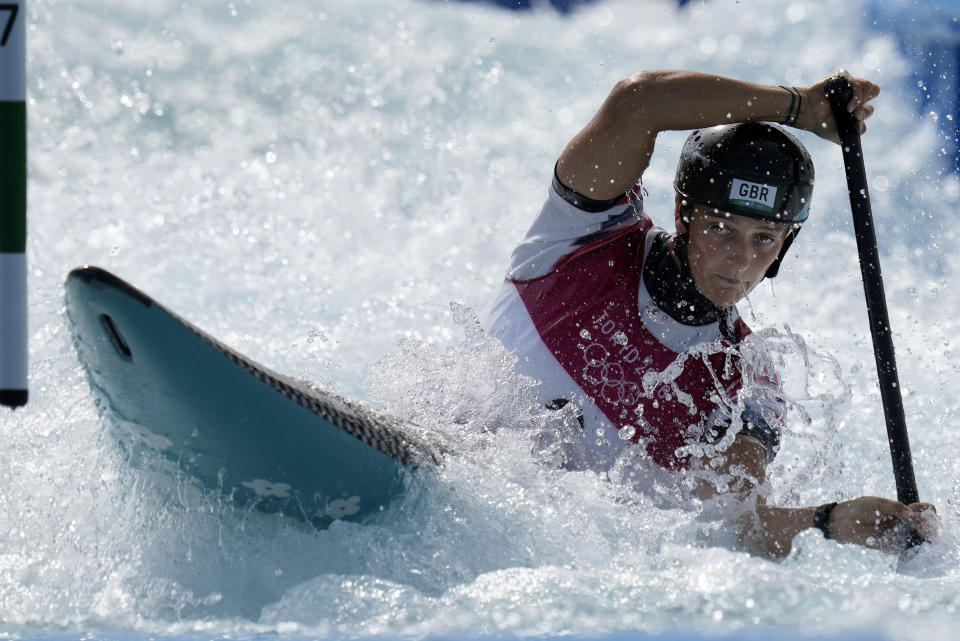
{"points": [[13, 204]]}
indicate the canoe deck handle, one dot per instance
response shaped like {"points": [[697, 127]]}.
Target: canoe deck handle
{"points": [[115, 336]]}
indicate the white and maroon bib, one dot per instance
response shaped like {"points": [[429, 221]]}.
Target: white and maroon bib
{"points": [[575, 311]]}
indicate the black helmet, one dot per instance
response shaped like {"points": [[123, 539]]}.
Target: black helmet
{"points": [[753, 169]]}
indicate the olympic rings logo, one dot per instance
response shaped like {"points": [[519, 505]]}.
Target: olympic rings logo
{"points": [[609, 376]]}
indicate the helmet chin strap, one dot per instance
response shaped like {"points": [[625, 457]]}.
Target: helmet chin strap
{"points": [[681, 243], [774, 268]]}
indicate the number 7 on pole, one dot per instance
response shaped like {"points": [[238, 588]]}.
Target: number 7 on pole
{"points": [[12, 18]]}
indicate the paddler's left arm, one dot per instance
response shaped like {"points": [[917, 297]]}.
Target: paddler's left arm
{"points": [[769, 530]]}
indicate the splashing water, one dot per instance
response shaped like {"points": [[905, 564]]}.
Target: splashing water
{"points": [[313, 185]]}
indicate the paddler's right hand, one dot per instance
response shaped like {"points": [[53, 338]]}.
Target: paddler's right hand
{"points": [[874, 522]]}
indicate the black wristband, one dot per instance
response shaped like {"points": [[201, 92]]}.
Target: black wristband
{"points": [[793, 111], [821, 518]]}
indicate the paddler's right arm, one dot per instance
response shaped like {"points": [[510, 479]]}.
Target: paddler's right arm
{"points": [[607, 157]]}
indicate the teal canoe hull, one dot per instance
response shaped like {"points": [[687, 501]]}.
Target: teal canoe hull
{"points": [[255, 437]]}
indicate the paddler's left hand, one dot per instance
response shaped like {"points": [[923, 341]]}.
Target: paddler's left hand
{"points": [[816, 115]]}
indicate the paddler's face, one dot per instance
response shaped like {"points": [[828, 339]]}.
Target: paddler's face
{"points": [[729, 255]]}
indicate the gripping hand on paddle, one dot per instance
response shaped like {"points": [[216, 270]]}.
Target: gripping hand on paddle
{"points": [[815, 112], [879, 523]]}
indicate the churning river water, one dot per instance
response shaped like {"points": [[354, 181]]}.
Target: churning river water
{"points": [[314, 183]]}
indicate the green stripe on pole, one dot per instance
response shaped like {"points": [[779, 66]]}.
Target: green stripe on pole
{"points": [[13, 177]]}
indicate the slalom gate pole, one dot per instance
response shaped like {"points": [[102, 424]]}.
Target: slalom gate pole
{"points": [[13, 204], [839, 92]]}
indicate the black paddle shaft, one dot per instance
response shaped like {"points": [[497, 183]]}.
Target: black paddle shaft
{"points": [[839, 92]]}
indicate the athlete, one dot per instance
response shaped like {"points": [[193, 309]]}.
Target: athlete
{"points": [[637, 328]]}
